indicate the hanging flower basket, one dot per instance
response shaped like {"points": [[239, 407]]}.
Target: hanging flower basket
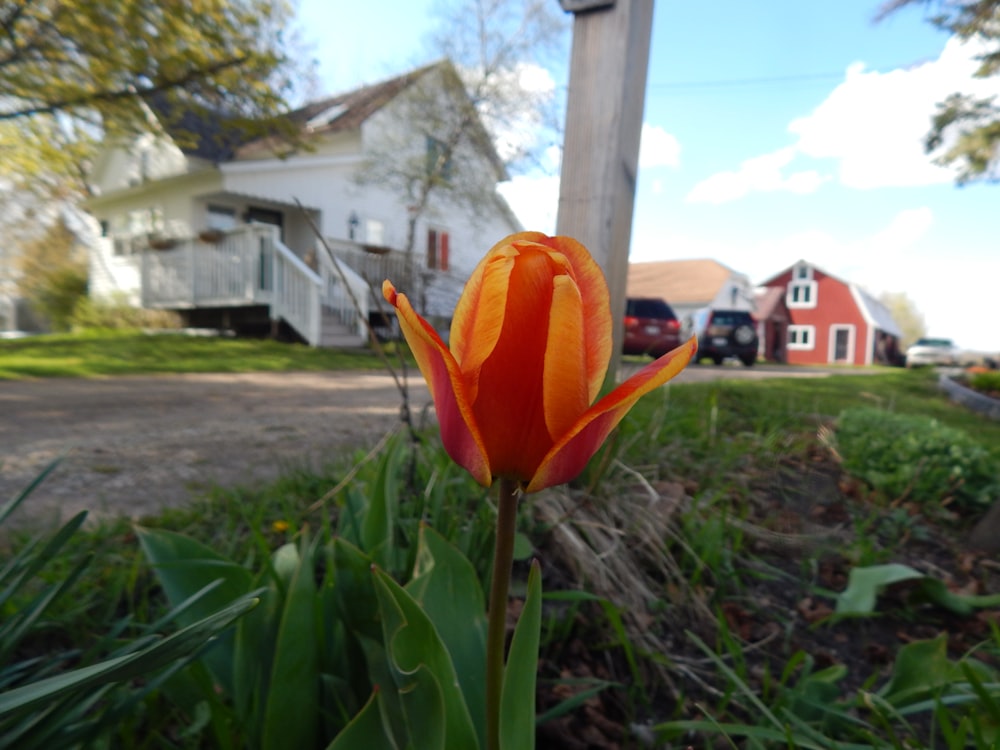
{"points": [[211, 236], [160, 242]]}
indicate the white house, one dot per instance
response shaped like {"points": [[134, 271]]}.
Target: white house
{"points": [[225, 231]]}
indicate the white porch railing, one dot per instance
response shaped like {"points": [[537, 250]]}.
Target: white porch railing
{"points": [[250, 266]]}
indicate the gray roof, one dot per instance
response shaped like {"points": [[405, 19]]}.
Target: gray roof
{"points": [[875, 312]]}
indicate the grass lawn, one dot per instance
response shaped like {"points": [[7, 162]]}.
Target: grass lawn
{"points": [[97, 354]]}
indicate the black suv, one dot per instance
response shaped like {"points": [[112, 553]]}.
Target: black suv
{"points": [[650, 327], [725, 333]]}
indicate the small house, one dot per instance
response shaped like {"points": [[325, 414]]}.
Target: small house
{"points": [[832, 321]]}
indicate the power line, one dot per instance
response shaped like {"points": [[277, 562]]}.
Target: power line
{"points": [[720, 83]]}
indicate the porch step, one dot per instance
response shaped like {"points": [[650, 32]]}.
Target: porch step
{"points": [[335, 335]]}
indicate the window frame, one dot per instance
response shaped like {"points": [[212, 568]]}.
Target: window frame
{"points": [[809, 338], [438, 256], [806, 299]]}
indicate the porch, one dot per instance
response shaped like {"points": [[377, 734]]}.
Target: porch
{"points": [[325, 301]]}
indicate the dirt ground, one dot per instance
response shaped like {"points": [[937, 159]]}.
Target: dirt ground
{"points": [[134, 445]]}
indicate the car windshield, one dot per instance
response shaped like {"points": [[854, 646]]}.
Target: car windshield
{"points": [[946, 343]]}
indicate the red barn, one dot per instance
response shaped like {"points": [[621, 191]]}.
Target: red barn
{"points": [[832, 321]]}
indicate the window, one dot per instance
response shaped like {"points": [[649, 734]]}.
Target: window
{"points": [[801, 337], [131, 231], [374, 232], [438, 172], [437, 250], [221, 217], [801, 294]]}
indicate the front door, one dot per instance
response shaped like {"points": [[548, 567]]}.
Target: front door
{"points": [[256, 215], [842, 344]]}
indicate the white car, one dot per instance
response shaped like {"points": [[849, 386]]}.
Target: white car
{"points": [[932, 352]]}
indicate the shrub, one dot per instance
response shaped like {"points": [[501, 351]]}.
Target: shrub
{"points": [[117, 313], [916, 458], [54, 274], [986, 382]]}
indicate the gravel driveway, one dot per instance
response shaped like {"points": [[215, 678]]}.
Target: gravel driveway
{"points": [[134, 445]]}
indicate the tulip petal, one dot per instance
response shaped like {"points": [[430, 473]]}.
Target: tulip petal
{"points": [[459, 433], [479, 315], [597, 321], [572, 451], [565, 394]]}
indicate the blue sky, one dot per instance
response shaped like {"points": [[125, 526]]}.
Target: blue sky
{"points": [[773, 132]]}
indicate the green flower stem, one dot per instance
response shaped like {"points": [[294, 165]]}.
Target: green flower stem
{"points": [[503, 559]]}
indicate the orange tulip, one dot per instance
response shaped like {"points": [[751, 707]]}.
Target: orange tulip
{"points": [[529, 349]]}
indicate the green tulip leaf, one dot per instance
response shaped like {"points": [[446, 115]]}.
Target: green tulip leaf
{"points": [[921, 668], [428, 687], [523, 548], [517, 699], [183, 567], [365, 731], [161, 653], [447, 588], [865, 584], [355, 594], [361, 653], [377, 529], [291, 711]]}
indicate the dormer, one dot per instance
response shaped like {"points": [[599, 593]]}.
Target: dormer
{"points": [[802, 291]]}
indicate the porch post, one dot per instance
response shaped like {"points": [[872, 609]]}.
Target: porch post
{"points": [[192, 274]]}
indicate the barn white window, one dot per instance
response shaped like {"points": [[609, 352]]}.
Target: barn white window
{"points": [[801, 337]]}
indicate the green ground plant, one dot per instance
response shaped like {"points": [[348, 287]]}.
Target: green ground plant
{"points": [[987, 382], [81, 693], [678, 525], [912, 457]]}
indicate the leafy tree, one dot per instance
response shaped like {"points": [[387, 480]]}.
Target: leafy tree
{"points": [[907, 316], [967, 127], [54, 273], [490, 46], [74, 71]]}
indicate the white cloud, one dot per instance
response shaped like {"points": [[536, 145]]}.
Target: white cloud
{"points": [[874, 124], [873, 127], [759, 174], [905, 229], [534, 200], [658, 148]]}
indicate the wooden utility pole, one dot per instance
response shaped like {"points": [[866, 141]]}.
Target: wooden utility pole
{"points": [[607, 91]]}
